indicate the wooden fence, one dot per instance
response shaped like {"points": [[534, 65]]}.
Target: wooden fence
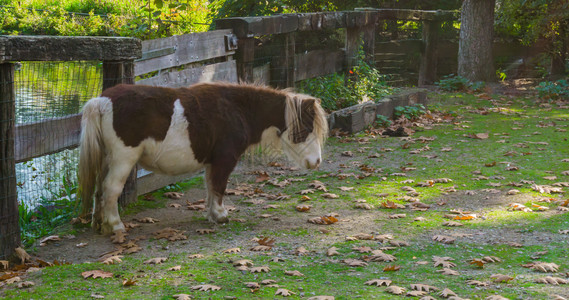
{"points": [[226, 54]]}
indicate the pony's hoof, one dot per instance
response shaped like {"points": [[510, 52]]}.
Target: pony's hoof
{"points": [[221, 218]]}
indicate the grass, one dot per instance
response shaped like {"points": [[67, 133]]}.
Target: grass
{"points": [[522, 124]]}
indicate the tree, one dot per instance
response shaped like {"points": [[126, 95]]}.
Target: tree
{"points": [[475, 60], [537, 22]]}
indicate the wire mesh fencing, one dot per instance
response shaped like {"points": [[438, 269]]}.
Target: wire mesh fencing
{"points": [[49, 97]]}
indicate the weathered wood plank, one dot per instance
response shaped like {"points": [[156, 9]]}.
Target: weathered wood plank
{"points": [[180, 50], [318, 63], [148, 182], [224, 71], [68, 48], [247, 27], [39, 138]]}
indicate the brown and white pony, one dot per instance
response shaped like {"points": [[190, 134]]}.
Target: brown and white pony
{"points": [[176, 131]]}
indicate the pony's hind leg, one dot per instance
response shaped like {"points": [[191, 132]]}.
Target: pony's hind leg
{"points": [[113, 184], [216, 181]]}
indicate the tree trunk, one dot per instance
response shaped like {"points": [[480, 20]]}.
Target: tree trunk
{"points": [[475, 60]]}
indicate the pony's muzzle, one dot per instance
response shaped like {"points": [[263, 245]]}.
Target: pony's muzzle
{"points": [[312, 165]]}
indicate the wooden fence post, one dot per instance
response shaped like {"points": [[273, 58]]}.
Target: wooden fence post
{"points": [[282, 65], [428, 66], [9, 226], [244, 56], [352, 47], [115, 72]]}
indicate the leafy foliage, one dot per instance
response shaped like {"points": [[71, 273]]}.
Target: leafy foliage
{"points": [[339, 90], [554, 89], [409, 112], [458, 83]]}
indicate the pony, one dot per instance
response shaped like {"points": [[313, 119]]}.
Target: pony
{"points": [[175, 131]]}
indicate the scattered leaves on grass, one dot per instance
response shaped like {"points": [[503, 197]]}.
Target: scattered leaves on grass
{"points": [[391, 205], [545, 267], [118, 237], [96, 274], [452, 224], [195, 256], [231, 250], [446, 293], [175, 268], [443, 239], [552, 280], [182, 297]]}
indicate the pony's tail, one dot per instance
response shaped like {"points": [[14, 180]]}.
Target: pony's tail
{"points": [[91, 152]]}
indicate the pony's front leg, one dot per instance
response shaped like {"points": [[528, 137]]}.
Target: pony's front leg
{"points": [[216, 181]]}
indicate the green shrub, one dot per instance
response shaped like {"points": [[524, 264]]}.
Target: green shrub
{"points": [[382, 121], [410, 112], [364, 83], [553, 89], [453, 83]]}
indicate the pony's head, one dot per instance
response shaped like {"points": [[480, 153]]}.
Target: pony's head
{"points": [[306, 130]]}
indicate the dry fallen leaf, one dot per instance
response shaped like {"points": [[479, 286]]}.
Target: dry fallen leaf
{"points": [[446, 293], [129, 282], [261, 269], [380, 256], [252, 285], [501, 278], [173, 195], [268, 281], [261, 248], [206, 287], [51, 238], [354, 262], [118, 237], [25, 284], [284, 292], [395, 290], [97, 274], [182, 297], [378, 282], [303, 208], [391, 268], [443, 239], [294, 273], [476, 283], [447, 271], [155, 261], [397, 216], [332, 251], [321, 298], [195, 256], [231, 250], [203, 231], [113, 260], [324, 220], [452, 224], [175, 268], [147, 220]]}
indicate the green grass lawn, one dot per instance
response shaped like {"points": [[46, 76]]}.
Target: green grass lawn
{"points": [[526, 145]]}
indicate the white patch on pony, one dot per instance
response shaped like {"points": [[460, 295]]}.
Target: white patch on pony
{"points": [[173, 155]]}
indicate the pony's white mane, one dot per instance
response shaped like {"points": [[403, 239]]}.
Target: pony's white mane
{"points": [[293, 115]]}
